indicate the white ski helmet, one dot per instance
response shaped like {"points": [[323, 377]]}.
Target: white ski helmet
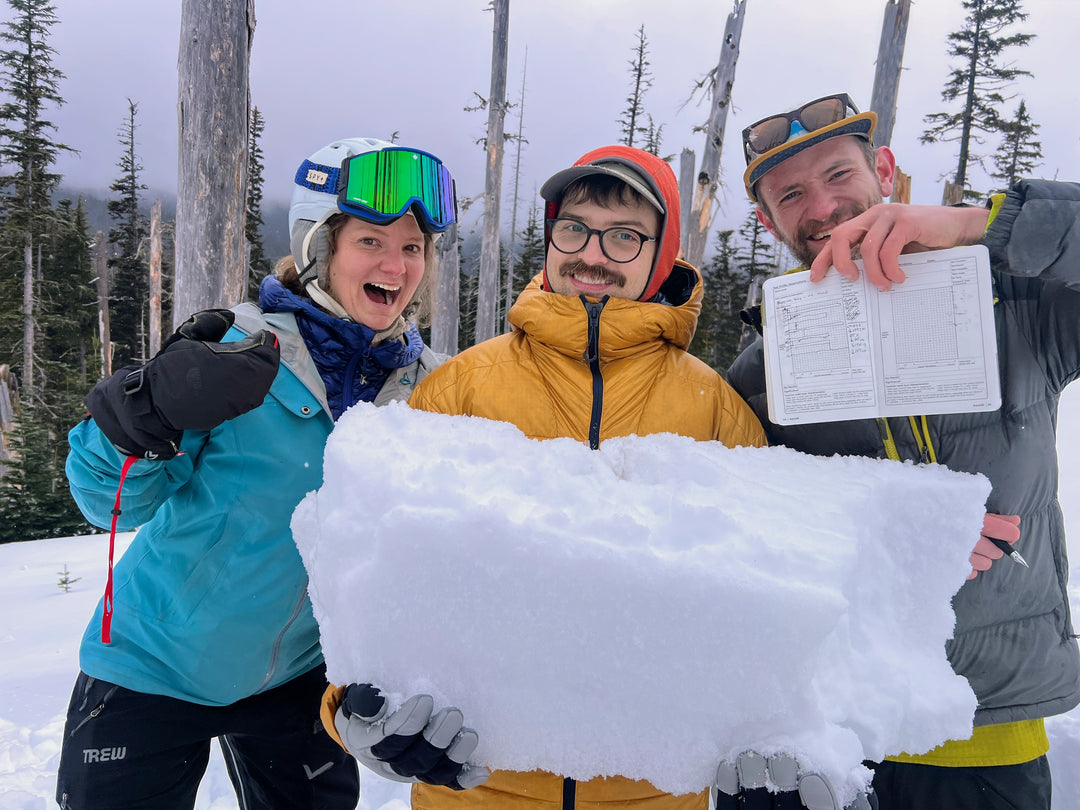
{"points": [[311, 205], [318, 195]]}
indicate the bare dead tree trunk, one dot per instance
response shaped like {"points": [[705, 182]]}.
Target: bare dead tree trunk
{"points": [[708, 177], [212, 114], [155, 279], [488, 291], [444, 321], [686, 194], [952, 194], [901, 188], [101, 266], [890, 60], [511, 259]]}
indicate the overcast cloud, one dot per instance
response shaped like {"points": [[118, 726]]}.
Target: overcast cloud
{"points": [[324, 69]]}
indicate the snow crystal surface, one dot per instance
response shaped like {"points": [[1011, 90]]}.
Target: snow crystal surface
{"points": [[646, 609]]}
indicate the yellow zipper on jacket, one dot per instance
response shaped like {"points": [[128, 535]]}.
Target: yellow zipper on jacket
{"points": [[920, 429]]}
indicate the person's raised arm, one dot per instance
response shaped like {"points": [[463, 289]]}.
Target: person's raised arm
{"points": [[1036, 232], [193, 384]]}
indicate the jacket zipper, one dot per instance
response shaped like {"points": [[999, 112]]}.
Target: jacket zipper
{"points": [[569, 793], [592, 357], [94, 712], [276, 649], [921, 434]]}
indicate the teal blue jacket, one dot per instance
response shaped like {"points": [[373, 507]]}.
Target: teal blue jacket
{"points": [[210, 600]]}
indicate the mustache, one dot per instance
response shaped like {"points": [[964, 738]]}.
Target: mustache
{"points": [[605, 274]]}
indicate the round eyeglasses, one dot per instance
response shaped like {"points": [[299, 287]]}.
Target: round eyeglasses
{"points": [[620, 244]]}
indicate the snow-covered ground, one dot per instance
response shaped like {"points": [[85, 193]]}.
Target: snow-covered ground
{"points": [[38, 660]]}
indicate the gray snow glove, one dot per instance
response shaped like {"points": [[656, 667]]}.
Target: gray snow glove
{"points": [[409, 744], [755, 782], [194, 383]]}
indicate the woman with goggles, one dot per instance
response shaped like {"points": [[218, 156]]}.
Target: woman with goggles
{"points": [[208, 447]]}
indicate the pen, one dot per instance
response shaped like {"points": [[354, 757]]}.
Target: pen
{"points": [[1009, 550]]}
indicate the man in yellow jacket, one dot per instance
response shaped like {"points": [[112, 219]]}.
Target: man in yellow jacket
{"points": [[598, 350]]}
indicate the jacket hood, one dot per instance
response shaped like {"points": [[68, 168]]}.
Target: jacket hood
{"points": [[657, 178], [630, 327]]}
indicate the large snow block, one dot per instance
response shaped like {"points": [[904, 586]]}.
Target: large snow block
{"points": [[646, 609]]}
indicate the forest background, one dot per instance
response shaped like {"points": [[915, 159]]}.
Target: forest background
{"points": [[88, 144]]}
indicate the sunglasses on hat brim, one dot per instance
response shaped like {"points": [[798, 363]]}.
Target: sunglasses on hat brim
{"points": [[382, 186], [767, 134]]}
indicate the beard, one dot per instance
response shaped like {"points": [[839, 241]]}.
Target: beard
{"points": [[804, 250], [593, 273]]}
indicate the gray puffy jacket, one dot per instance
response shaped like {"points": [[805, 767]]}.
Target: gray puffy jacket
{"points": [[1014, 640]]}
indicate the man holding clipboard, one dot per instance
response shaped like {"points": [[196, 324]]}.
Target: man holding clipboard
{"points": [[820, 185]]}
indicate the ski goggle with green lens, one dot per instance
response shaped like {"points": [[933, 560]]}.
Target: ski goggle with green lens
{"points": [[381, 186]]}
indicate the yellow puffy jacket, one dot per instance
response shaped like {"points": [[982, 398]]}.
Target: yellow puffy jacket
{"points": [[640, 380], [555, 377]]}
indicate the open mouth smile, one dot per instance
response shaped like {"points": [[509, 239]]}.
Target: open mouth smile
{"points": [[382, 293]]}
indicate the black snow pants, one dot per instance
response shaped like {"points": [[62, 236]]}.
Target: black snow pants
{"points": [[905, 786], [130, 750]]}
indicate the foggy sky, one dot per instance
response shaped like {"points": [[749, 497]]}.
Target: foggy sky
{"points": [[324, 69]]}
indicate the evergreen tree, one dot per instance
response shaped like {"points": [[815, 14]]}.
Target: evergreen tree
{"points": [[23, 483], [12, 268], [33, 485], [33, 482], [760, 258], [719, 329], [31, 82], [979, 81], [468, 286], [654, 136], [71, 341], [756, 254], [259, 264], [640, 81], [129, 290], [531, 260], [41, 273], [69, 359], [1019, 152], [527, 263]]}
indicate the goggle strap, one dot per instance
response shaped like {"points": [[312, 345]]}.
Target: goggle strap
{"points": [[306, 273], [318, 177]]}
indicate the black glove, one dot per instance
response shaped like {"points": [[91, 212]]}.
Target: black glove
{"points": [[408, 745], [194, 383], [779, 782]]}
